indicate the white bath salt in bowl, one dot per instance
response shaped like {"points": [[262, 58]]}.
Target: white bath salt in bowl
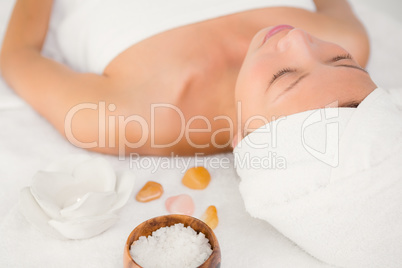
{"points": [[174, 246]]}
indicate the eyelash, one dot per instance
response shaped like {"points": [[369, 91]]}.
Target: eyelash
{"points": [[342, 57], [280, 73]]}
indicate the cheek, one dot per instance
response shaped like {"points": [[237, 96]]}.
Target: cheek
{"points": [[250, 98], [251, 86], [253, 108], [253, 78]]}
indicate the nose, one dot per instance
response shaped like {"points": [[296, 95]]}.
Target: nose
{"points": [[299, 43]]}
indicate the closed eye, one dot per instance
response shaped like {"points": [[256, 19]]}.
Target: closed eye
{"points": [[341, 57], [346, 57], [281, 73]]}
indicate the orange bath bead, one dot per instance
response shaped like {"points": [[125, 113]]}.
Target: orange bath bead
{"points": [[150, 191], [196, 178], [210, 217]]}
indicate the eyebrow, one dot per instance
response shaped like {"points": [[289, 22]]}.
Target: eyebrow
{"points": [[352, 66], [350, 104], [298, 80]]}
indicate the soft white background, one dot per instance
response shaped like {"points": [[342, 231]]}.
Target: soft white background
{"points": [[28, 143]]}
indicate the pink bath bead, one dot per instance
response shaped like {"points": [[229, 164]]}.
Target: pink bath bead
{"points": [[180, 204]]}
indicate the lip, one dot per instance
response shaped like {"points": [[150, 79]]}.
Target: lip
{"points": [[276, 30]]}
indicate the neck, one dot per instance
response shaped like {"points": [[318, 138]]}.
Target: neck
{"points": [[234, 38]]}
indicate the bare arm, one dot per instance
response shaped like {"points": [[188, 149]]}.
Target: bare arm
{"points": [[341, 15], [339, 8], [31, 75], [49, 87]]}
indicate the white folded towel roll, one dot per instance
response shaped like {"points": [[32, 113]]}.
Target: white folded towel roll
{"points": [[331, 181]]}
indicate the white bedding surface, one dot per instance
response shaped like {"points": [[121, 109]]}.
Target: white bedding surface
{"points": [[28, 143]]}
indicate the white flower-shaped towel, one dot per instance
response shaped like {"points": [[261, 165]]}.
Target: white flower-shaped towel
{"points": [[76, 197]]}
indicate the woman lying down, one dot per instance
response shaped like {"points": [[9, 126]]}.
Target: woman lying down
{"points": [[162, 77], [156, 77]]}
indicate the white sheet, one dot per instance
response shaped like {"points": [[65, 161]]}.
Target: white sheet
{"points": [[28, 143]]}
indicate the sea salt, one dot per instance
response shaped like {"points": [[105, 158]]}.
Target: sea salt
{"points": [[174, 246]]}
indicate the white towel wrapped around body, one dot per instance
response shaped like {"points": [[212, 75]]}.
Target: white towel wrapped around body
{"points": [[331, 180], [88, 35]]}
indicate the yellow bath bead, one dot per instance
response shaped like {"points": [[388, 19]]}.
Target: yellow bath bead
{"points": [[210, 217], [150, 191], [196, 178]]}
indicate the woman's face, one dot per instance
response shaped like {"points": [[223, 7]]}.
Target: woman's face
{"points": [[287, 71]]}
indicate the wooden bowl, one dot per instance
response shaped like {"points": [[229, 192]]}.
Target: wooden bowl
{"points": [[147, 227]]}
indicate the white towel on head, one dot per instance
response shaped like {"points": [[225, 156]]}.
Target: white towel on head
{"points": [[339, 195]]}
